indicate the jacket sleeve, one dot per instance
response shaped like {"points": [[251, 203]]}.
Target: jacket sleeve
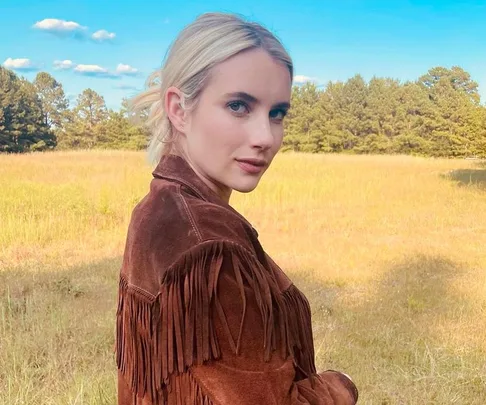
{"points": [[218, 333]]}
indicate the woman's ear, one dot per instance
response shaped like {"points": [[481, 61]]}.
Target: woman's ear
{"points": [[173, 102]]}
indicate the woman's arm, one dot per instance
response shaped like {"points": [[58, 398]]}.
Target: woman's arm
{"points": [[245, 378], [215, 334]]}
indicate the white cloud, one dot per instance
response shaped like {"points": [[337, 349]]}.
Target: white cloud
{"points": [[90, 69], [63, 64], [300, 79], [19, 64], [128, 70], [58, 27], [95, 71], [103, 35]]}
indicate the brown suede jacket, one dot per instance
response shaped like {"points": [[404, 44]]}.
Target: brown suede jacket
{"points": [[204, 315]]}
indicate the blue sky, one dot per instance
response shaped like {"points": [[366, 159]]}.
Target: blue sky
{"points": [[112, 46]]}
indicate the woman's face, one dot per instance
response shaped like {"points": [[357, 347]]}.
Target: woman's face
{"points": [[233, 134]]}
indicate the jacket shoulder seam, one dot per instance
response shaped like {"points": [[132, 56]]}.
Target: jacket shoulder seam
{"points": [[189, 215]]}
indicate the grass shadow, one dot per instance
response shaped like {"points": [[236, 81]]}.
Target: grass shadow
{"points": [[469, 177], [57, 334], [392, 337]]}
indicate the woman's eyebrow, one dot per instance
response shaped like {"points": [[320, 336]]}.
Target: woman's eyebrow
{"points": [[283, 106], [253, 100], [245, 96]]}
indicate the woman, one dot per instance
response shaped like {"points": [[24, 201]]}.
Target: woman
{"points": [[205, 316]]}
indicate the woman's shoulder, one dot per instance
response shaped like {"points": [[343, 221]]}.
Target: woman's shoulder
{"points": [[170, 224], [173, 210]]}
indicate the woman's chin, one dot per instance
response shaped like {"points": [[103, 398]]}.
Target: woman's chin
{"points": [[246, 185]]}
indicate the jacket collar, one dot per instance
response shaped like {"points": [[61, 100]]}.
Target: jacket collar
{"points": [[175, 168]]}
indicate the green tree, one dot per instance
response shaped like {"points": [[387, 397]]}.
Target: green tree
{"points": [[305, 124], [417, 117], [384, 107], [90, 108], [54, 101], [117, 132], [458, 122], [349, 111], [456, 77], [22, 126], [83, 122]]}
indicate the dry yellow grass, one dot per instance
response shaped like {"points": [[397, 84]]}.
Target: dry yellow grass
{"points": [[391, 251]]}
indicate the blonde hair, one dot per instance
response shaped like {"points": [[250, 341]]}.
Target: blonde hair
{"points": [[209, 40]]}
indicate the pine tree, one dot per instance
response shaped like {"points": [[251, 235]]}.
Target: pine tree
{"points": [[54, 101], [22, 125], [83, 122]]}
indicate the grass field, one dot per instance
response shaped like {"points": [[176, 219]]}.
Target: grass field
{"points": [[391, 252]]}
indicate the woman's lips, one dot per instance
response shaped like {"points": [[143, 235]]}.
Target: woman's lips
{"points": [[252, 166]]}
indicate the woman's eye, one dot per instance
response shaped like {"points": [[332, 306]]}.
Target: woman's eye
{"points": [[277, 114], [238, 107]]}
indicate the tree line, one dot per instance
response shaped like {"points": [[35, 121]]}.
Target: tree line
{"points": [[439, 114], [37, 117]]}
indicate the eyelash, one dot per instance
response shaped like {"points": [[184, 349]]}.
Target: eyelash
{"points": [[242, 103], [284, 113], [238, 103]]}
